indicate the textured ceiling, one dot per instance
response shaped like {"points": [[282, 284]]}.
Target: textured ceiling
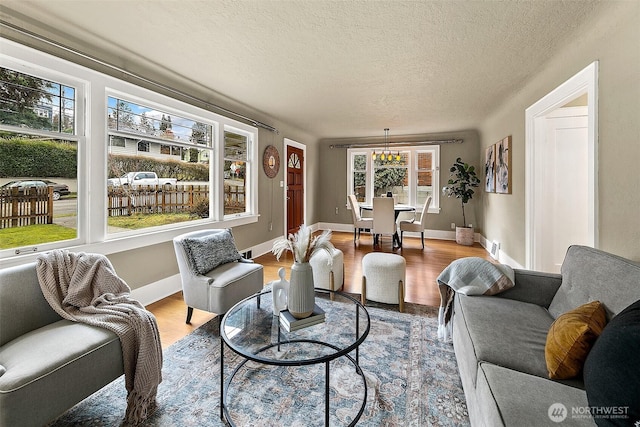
{"points": [[334, 68]]}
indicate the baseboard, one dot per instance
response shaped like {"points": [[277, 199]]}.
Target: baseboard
{"points": [[157, 290], [170, 285], [503, 257]]}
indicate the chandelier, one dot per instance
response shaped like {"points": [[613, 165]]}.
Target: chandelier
{"points": [[386, 155]]}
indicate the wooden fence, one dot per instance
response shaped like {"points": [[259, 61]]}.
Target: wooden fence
{"points": [[166, 199], [31, 206]]}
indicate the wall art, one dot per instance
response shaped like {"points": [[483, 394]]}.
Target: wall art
{"points": [[503, 166]]}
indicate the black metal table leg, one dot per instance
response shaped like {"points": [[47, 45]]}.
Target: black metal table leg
{"points": [[222, 379], [326, 394]]}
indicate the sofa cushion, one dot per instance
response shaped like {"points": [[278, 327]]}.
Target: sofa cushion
{"points": [[612, 368], [19, 288], [513, 398], [208, 252], [570, 339], [55, 366], [590, 274], [504, 332]]}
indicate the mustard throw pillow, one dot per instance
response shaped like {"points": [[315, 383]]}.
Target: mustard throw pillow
{"points": [[571, 337]]}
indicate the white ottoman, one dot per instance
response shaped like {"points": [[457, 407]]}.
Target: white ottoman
{"points": [[328, 276], [383, 277]]}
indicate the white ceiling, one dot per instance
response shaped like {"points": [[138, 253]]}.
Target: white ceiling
{"points": [[334, 68]]}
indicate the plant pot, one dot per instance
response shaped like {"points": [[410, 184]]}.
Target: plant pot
{"points": [[465, 236], [302, 295]]}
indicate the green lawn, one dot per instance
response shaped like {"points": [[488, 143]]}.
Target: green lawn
{"points": [[137, 221], [34, 235], [42, 233]]}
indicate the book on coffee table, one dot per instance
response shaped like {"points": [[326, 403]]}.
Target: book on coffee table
{"points": [[290, 323]]}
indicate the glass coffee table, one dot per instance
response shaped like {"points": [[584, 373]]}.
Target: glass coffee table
{"points": [[252, 331]]}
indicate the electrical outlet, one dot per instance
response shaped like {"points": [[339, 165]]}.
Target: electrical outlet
{"points": [[336, 210], [453, 225], [270, 226]]}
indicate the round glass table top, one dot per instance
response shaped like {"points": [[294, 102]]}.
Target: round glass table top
{"points": [[252, 330]]}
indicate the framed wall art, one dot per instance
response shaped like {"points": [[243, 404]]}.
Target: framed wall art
{"points": [[490, 169], [503, 166]]}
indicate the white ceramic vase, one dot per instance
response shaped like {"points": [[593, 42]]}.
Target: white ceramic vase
{"points": [[302, 296]]}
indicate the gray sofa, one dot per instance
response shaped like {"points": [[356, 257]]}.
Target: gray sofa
{"points": [[499, 340], [49, 363]]}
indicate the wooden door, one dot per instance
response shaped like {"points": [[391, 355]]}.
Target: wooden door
{"points": [[295, 189]]}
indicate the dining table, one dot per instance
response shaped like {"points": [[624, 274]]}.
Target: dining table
{"points": [[397, 208]]}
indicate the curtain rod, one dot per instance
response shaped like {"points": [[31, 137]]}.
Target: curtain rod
{"points": [[397, 143], [53, 43]]}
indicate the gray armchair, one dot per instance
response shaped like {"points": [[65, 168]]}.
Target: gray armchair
{"points": [[214, 275]]}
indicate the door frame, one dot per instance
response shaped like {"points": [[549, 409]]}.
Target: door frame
{"points": [[584, 82], [290, 142]]}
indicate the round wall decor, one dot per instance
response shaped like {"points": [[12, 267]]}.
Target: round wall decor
{"points": [[271, 161]]}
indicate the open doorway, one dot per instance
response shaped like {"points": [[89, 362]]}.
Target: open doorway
{"points": [[561, 171]]}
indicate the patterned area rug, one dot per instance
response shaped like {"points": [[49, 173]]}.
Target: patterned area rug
{"points": [[412, 380]]}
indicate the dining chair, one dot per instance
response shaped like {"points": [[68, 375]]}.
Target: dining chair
{"points": [[414, 225], [384, 218], [359, 223]]}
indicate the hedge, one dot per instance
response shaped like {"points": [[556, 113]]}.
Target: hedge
{"points": [[36, 158]]}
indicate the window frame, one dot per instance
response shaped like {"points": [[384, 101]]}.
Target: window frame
{"points": [[92, 136], [412, 170]]}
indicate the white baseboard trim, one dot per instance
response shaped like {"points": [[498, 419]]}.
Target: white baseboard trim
{"points": [[157, 290], [170, 285], [502, 255]]}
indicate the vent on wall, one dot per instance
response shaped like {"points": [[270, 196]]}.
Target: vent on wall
{"points": [[495, 249]]}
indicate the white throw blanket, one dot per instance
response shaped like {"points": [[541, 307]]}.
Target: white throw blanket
{"points": [[469, 276], [85, 288]]}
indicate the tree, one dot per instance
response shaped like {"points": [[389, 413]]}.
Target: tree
{"points": [[146, 124], [21, 94], [124, 115], [199, 133]]}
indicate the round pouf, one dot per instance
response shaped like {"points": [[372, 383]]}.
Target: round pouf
{"points": [[383, 277], [328, 276]]}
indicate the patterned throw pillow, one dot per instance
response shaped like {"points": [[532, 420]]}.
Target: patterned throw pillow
{"points": [[208, 252]]}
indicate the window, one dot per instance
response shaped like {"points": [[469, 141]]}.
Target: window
{"points": [[38, 161], [359, 176], [152, 187], [392, 177], [236, 165], [410, 174], [149, 168]]}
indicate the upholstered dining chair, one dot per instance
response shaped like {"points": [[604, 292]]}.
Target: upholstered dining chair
{"points": [[384, 217], [359, 223], [414, 225], [214, 275]]}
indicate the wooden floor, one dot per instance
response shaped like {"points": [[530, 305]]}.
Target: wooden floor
{"points": [[423, 267]]}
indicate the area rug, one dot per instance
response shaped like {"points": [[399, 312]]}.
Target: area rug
{"points": [[412, 380]]}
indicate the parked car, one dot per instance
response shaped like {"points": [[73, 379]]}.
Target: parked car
{"points": [[59, 190], [136, 179]]}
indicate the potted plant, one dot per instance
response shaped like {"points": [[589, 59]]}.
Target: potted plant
{"points": [[462, 181]]}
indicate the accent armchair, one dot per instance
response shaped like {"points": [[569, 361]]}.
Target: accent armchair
{"points": [[416, 225], [214, 275]]}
